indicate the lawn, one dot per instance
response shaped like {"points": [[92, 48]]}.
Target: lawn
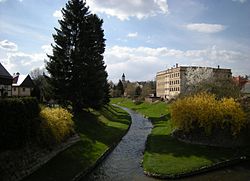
{"points": [[98, 131], [167, 156]]}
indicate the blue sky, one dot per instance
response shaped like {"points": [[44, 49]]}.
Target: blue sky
{"points": [[143, 37]]}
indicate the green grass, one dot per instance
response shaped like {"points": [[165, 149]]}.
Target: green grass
{"points": [[165, 155], [98, 131]]}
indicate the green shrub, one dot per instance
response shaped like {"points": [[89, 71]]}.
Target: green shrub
{"points": [[205, 111], [31, 107], [56, 125], [17, 121]]}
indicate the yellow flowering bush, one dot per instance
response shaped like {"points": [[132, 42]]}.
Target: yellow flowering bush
{"points": [[204, 111], [56, 123], [233, 114]]}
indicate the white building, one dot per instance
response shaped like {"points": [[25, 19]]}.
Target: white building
{"points": [[171, 82], [22, 85]]}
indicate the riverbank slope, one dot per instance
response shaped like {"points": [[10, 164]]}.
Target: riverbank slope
{"points": [[99, 131]]}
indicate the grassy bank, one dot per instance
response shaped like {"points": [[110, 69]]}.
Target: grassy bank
{"points": [[98, 131], [167, 156]]}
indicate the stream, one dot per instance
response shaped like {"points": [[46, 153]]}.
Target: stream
{"points": [[124, 162]]}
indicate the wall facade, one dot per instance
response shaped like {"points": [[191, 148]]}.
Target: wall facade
{"points": [[21, 91], [5, 90], [171, 82], [160, 84]]}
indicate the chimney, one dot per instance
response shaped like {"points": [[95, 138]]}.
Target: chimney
{"points": [[218, 66], [176, 65]]}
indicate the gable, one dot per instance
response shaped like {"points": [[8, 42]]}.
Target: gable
{"points": [[23, 81], [27, 82], [4, 73], [5, 77]]}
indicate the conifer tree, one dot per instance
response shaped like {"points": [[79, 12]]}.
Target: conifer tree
{"points": [[120, 88], [77, 70]]}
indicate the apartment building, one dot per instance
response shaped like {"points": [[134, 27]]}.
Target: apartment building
{"points": [[171, 82]]}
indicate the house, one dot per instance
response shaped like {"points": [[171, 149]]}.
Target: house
{"points": [[5, 82], [22, 85], [246, 89], [240, 81], [171, 82]]}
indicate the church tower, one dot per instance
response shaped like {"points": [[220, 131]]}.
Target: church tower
{"points": [[123, 77]]}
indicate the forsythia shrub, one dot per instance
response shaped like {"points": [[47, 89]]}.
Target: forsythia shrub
{"points": [[204, 111], [56, 123]]}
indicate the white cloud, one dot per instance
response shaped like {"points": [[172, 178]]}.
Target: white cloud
{"points": [[205, 28], [5, 0], [58, 14], [162, 5], [241, 1], [23, 62], [18, 61], [142, 63], [8, 46], [47, 49], [125, 9], [139, 63], [132, 35]]}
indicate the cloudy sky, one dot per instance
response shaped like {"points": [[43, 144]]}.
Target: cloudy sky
{"points": [[143, 36]]}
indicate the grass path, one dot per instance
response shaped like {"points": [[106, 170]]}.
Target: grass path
{"points": [[98, 131]]}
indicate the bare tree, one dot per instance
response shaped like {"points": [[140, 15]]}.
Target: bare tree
{"points": [[204, 79], [35, 73]]}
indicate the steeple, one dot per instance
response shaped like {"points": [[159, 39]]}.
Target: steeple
{"points": [[123, 77]]}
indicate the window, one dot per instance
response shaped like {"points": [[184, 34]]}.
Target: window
{"points": [[14, 89], [23, 89]]}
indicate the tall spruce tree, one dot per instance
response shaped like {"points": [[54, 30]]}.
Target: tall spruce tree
{"points": [[77, 70]]}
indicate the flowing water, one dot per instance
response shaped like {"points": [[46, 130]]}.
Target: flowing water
{"points": [[124, 162]]}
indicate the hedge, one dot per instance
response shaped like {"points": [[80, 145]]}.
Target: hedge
{"points": [[18, 121], [203, 110]]}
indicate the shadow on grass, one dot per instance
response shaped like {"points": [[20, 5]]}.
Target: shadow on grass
{"points": [[67, 163], [156, 120], [89, 125], [115, 114], [166, 144]]}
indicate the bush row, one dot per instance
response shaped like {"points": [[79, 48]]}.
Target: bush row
{"points": [[18, 121], [22, 122], [205, 111]]}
